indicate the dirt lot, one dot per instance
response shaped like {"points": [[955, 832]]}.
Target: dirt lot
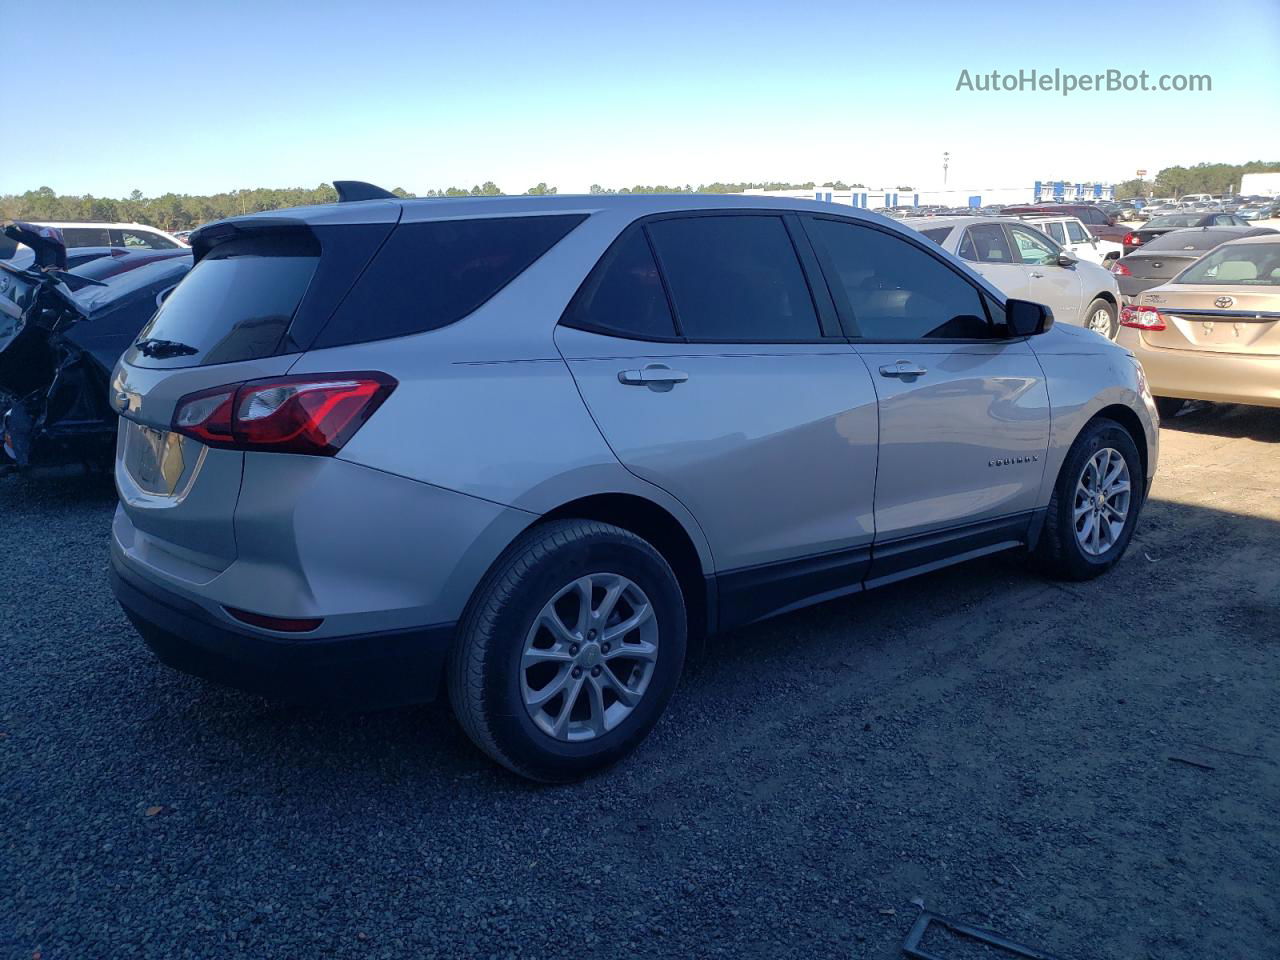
{"points": [[1000, 747]]}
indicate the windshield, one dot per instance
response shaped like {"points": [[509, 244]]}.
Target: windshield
{"points": [[1247, 264]]}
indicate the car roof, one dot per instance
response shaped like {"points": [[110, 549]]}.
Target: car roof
{"points": [[922, 223], [1256, 238], [95, 224], [635, 205]]}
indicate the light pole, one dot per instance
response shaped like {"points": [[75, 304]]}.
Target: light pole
{"points": [[945, 158]]}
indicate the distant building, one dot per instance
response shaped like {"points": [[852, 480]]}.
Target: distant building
{"points": [[1038, 191], [1260, 184]]}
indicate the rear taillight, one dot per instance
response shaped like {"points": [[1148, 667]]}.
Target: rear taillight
{"points": [[313, 414], [1143, 318], [1120, 270], [1132, 240]]}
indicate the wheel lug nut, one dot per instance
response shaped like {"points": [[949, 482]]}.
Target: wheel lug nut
{"points": [[595, 671], [577, 672], [604, 647], [591, 634], [573, 649]]}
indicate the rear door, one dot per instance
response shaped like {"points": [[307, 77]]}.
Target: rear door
{"points": [[986, 247], [964, 413], [716, 371]]}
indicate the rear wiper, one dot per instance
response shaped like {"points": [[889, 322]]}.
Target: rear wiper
{"points": [[161, 349]]}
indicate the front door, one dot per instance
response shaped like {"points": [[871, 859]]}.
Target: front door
{"points": [[1051, 283], [739, 405], [964, 413]]}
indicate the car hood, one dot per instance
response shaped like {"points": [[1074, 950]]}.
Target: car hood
{"points": [[1066, 339]]}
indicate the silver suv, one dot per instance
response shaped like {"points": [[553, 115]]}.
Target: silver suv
{"points": [[526, 447]]}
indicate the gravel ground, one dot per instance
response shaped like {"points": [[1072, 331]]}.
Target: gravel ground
{"points": [[995, 745]]}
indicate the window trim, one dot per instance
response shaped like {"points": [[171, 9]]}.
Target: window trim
{"points": [[819, 295], [845, 310]]}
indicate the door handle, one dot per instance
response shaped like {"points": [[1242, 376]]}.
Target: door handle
{"points": [[655, 376], [903, 369], [1038, 276]]}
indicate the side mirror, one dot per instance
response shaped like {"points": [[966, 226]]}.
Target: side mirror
{"points": [[1026, 319], [1066, 260]]}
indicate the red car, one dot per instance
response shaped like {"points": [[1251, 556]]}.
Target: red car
{"points": [[1100, 225]]}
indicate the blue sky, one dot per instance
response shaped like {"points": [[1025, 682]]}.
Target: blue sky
{"points": [[198, 98]]}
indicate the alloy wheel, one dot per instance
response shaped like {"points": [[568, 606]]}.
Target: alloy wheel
{"points": [[1100, 322], [1102, 499], [589, 657]]}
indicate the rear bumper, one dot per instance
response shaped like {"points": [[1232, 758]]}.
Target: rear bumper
{"points": [[366, 671], [1202, 375]]}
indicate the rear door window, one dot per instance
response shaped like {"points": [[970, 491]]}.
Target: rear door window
{"points": [[986, 243], [735, 278], [623, 296], [1075, 231], [431, 274]]}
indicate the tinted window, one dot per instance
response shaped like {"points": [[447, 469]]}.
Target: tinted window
{"points": [[86, 236], [895, 290], [624, 294], [937, 234], [236, 304], [1075, 231], [1055, 230], [428, 275], [986, 243], [1032, 247], [735, 278]]}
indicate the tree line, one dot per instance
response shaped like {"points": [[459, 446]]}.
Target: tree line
{"points": [[1202, 178], [182, 211]]}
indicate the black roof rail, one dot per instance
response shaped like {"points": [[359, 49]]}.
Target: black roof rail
{"points": [[351, 191]]}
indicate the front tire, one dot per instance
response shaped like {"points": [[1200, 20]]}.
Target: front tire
{"points": [[569, 651], [1095, 505], [1100, 317]]}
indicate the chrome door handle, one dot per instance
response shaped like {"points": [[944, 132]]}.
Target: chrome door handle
{"points": [[903, 368], [1037, 275], [655, 376]]}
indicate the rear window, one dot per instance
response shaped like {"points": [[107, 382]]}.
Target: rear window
{"points": [[431, 274], [937, 234], [1197, 240], [236, 304], [1246, 264]]}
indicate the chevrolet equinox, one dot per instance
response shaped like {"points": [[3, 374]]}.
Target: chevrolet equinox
{"points": [[522, 448]]}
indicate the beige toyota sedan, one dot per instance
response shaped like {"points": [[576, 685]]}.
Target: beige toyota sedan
{"points": [[1213, 331]]}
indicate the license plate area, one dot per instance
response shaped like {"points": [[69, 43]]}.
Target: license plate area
{"points": [[160, 462]]}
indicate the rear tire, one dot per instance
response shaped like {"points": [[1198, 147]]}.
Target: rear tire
{"points": [[1169, 407], [1100, 317], [553, 693], [1083, 536]]}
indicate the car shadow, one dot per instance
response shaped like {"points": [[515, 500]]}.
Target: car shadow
{"points": [[1233, 420]]}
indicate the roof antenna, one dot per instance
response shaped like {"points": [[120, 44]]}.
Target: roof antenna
{"points": [[351, 191]]}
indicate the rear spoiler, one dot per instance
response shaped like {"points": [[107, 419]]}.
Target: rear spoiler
{"points": [[46, 242]]}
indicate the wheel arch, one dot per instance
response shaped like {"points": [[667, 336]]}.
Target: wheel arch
{"points": [[664, 531], [1132, 425]]}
